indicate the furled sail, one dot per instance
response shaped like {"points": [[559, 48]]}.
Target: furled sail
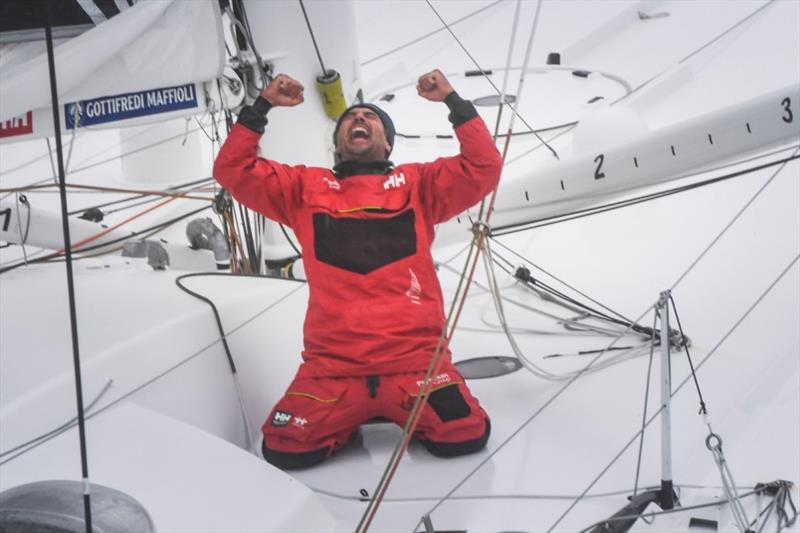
{"points": [[145, 60]]}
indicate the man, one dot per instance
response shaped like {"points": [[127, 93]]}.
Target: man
{"points": [[375, 310]]}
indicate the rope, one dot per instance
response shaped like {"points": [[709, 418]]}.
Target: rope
{"points": [[97, 188], [540, 223], [234, 373], [480, 231], [66, 425], [627, 320], [431, 33], [507, 69], [536, 413], [169, 370], [698, 50], [157, 227], [477, 65], [677, 389], [313, 40], [684, 59], [736, 217]]}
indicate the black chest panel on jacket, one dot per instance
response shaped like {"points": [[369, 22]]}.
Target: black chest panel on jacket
{"points": [[362, 245]]}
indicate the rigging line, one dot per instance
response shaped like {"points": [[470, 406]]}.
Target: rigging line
{"points": [[507, 69], [535, 414], [193, 186], [87, 508], [291, 242], [557, 219], [533, 367], [548, 293], [136, 150], [147, 232], [69, 423], [421, 399], [431, 33], [644, 409], [114, 190], [681, 385], [523, 258], [177, 365], [647, 82], [480, 231], [703, 409], [52, 256], [580, 328], [231, 364], [697, 51], [557, 318], [52, 163], [653, 514], [313, 40], [734, 219], [489, 79]]}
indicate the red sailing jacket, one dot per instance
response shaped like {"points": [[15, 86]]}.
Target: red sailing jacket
{"points": [[375, 305]]}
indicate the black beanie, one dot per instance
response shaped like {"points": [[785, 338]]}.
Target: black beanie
{"points": [[388, 125]]}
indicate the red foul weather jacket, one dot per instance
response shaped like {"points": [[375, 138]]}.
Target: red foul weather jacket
{"points": [[375, 305]]}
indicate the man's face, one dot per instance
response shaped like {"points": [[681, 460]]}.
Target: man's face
{"points": [[361, 136]]}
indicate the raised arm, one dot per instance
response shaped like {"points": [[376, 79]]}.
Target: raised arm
{"points": [[452, 184], [262, 185]]}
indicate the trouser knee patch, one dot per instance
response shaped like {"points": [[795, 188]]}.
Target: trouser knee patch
{"points": [[455, 449], [294, 460], [448, 403]]}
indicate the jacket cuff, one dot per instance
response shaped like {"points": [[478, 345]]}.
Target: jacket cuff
{"points": [[254, 117], [460, 110]]}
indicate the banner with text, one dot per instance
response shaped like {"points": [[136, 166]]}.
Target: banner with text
{"points": [[130, 105]]}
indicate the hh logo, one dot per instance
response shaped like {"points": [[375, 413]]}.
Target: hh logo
{"points": [[280, 418], [394, 181]]}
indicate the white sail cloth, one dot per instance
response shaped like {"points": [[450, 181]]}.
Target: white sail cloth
{"points": [[158, 43]]}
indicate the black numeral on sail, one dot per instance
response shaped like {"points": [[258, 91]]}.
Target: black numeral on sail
{"points": [[597, 173], [6, 213], [788, 117]]}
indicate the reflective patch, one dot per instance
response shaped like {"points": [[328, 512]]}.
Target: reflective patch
{"points": [[281, 418]]}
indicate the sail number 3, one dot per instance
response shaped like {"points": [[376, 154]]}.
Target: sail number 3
{"points": [[788, 117]]}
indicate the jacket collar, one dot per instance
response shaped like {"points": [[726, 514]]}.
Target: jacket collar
{"points": [[345, 169]]}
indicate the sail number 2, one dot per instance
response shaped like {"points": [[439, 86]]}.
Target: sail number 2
{"points": [[597, 171], [788, 117], [7, 214]]}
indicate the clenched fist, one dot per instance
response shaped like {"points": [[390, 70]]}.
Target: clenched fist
{"points": [[284, 91], [434, 86]]}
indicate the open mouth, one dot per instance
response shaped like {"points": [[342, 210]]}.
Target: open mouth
{"points": [[359, 133]]}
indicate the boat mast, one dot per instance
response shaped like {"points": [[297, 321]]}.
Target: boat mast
{"points": [[667, 494]]}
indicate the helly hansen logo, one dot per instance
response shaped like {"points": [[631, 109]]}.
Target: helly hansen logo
{"points": [[414, 292], [280, 418], [394, 181]]}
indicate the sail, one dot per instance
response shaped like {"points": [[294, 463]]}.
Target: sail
{"points": [[152, 45]]}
